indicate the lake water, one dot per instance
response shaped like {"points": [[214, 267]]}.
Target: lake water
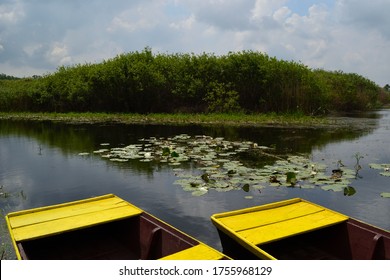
{"points": [[40, 164]]}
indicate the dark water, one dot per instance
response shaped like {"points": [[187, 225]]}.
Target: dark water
{"points": [[40, 165]]}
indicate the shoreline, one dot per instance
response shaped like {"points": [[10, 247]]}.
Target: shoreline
{"points": [[252, 120]]}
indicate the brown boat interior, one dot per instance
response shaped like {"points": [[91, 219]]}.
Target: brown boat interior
{"points": [[138, 237], [349, 240]]}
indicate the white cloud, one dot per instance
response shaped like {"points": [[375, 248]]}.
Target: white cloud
{"points": [[58, 54], [281, 14], [265, 8], [186, 24], [11, 12], [373, 15], [32, 49]]}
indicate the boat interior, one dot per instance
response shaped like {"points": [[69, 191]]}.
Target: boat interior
{"points": [[348, 240], [137, 237]]}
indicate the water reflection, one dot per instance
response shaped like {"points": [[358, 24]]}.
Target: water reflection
{"points": [[40, 165]]}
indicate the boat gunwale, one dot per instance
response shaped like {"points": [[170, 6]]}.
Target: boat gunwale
{"points": [[141, 213], [65, 204], [256, 249]]}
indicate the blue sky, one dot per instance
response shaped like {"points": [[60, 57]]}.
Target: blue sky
{"points": [[37, 36], [301, 7]]}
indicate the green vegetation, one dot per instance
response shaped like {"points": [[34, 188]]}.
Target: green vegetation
{"points": [[221, 165], [236, 119], [142, 82]]}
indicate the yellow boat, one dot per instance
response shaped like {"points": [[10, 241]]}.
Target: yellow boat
{"points": [[298, 229], [104, 227]]}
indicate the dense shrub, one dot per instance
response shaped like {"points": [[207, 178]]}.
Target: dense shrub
{"points": [[141, 82]]}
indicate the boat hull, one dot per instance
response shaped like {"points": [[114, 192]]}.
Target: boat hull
{"points": [[119, 231], [341, 239]]}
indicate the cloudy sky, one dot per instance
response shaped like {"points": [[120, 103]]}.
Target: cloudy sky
{"points": [[37, 36]]}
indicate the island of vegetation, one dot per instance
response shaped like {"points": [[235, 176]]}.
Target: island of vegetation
{"points": [[142, 83]]}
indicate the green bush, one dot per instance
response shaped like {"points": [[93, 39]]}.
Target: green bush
{"points": [[141, 82]]}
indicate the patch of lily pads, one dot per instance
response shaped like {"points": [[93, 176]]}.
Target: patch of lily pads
{"points": [[385, 171], [385, 194], [384, 167], [216, 165]]}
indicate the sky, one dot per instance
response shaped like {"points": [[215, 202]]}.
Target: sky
{"points": [[353, 36]]}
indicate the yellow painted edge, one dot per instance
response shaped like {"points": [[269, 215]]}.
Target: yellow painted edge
{"points": [[269, 206], [257, 208], [189, 236], [249, 246], [9, 216], [288, 228], [256, 219], [81, 201], [73, 223], [68, 211], [87, 200], [198, 252]]}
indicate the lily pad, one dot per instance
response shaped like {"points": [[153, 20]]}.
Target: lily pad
{"points": [[307, 187], [334, 187], [223, 165], [349, 191], [379, 166], [257, 187], [119, 159], [101, 151], [199, 192], [246, 188], [385, 194]]}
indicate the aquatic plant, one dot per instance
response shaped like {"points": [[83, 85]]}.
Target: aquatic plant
{"points": [[384, 167], [216, 165]]}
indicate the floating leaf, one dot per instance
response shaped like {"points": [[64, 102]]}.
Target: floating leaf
{"points": [[245, 188], [200, 191], [217, 166], [119, 159], [387, 174], [258, 187], [174, 154], [174, 163], [385, 194], [349, 191], [307, 187], [166, 151], [83, 154], [205, 177], [291, 178], [248, 197], [379, 165], [334, 187]]}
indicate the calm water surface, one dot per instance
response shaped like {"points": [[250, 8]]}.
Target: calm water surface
{"points": [[40, 165]]}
